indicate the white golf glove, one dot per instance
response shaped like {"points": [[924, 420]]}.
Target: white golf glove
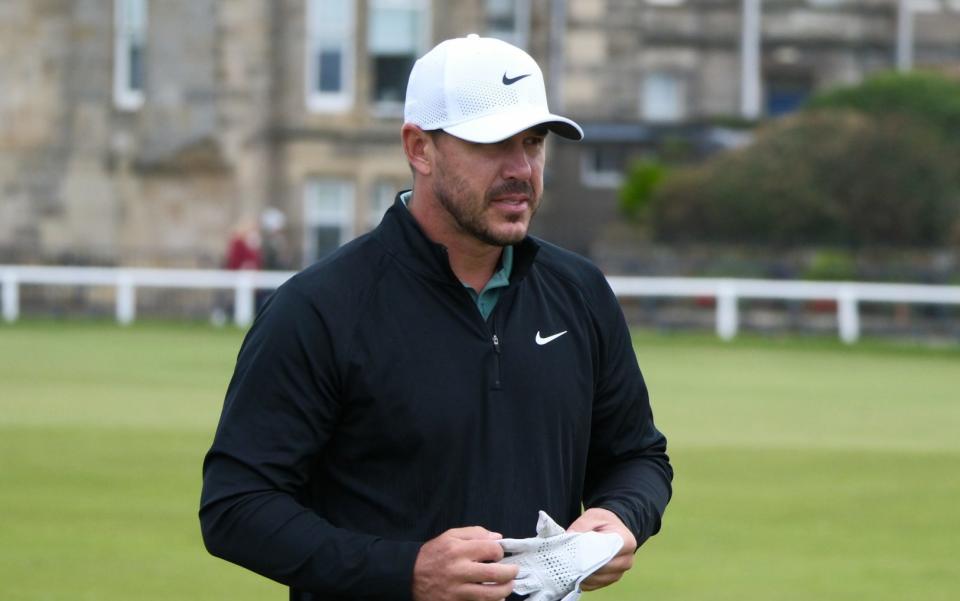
{"points": [[555, 562]]}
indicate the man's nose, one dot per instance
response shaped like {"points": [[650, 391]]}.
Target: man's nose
{"points": [[517, 163]]}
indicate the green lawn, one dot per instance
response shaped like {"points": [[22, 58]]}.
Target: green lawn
{"points": [[805, 469]]}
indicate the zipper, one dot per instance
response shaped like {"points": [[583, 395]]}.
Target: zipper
{"points": [[496, 364]]}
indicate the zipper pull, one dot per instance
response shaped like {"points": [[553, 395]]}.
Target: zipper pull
{"points": [[496, 344]]}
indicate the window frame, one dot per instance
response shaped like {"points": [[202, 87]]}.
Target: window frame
{"points": [[520, 36], [344, 219], [649, 110], [342, 100], [125, 96], [591, 177], [382, 198], [390, 108]]}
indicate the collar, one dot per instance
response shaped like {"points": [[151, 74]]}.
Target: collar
{"points": [[401, 235], [500, 278]]}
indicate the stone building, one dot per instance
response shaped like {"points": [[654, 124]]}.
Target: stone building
{"points": [[141, 132], [642, 75]]}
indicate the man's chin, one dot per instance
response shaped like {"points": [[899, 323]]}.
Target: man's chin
{"points": [[509, 237]]}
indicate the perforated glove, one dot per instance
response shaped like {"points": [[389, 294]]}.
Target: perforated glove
{"points": [[555, 562]]}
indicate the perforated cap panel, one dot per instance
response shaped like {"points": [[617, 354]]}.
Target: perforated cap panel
{"points": [[467, 79]]}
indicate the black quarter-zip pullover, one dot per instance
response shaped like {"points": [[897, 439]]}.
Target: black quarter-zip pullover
{"points": [[372, 408]]}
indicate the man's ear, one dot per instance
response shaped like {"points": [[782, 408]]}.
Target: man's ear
{"points": [[419, 148]]}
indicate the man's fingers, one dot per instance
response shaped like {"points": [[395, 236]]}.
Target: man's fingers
{"points": [[609, 573], [598, 580], [516, 545], [617, 565], [486, 592], [460, 564], [620, 563], [477, 550], [491, 573], [473, 533], [605, 576]]}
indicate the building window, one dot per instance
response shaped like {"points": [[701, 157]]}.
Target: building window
{"points": [[509, 20], [384, 194], [664, 98], [398, 34], [327, 216], [330, 54], [130, 38], [602, 166], [786, 91]]}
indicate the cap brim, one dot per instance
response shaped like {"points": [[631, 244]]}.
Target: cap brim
{"points": [[500, 126]]}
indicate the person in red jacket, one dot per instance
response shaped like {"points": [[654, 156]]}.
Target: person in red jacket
{"points": [[243, 248]]}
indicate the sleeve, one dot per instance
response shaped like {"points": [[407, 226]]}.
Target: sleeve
{"points": [[280, 409], [628, 470]]}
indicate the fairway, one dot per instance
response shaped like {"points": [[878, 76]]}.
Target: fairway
{"points": [[806, 470]]}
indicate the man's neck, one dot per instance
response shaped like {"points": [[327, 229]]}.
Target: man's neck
{"points": [[472, 261], [474, 266]]}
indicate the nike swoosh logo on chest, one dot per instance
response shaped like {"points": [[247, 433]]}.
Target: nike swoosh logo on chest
{"points": [[542, 341]]}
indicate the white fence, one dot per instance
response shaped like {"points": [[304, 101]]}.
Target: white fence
{"points": [[127, 280], [727, 292]]}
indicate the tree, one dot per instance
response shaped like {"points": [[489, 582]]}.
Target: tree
{"points": [[873, 165]]}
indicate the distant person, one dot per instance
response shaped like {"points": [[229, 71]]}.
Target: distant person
{"points": [[275, 255], [243, 248], [275, 252], [429, 387], [243, 252]]}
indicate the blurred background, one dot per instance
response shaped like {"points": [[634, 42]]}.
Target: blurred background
{"points": [[788, 141], [813, 139], [138, 132]]}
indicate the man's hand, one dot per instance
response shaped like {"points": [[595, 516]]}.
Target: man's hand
{"points": [[603, 520], [459, 565]]}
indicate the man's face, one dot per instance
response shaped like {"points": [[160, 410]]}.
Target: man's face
{"points": [[491, 191]]}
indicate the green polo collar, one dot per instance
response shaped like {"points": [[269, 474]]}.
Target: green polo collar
{"points": [[487, 299]]}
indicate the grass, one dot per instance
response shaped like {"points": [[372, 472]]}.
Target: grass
{"points": [[805, 469], [102, 434]]}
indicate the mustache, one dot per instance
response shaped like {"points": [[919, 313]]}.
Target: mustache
{"points": [[511, 187]]}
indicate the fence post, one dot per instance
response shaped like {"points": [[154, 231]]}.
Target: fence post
{"points": [[243, 298], [11, 296], [848, 315], [727, 311], [126, 299]]}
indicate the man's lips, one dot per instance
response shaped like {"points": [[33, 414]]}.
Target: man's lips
{"points": [[512, 206], [512, 199]]}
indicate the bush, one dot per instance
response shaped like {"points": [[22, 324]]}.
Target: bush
{"points": [[925, 97], [886, 175], [642, 179], [831, 265]]}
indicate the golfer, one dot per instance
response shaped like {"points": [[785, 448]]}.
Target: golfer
{"points": [[428, 388]]}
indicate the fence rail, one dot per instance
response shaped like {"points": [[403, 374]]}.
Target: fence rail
{"points": [[726, 291]]}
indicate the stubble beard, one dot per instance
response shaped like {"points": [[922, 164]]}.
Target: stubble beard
{"points": [[468, 212]]}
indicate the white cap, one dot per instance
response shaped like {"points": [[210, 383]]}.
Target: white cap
{"points": [[272, 219], [481, 90]]}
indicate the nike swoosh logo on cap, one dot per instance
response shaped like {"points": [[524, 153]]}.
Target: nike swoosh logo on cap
{"points": [[542, 341], [508, 81]]}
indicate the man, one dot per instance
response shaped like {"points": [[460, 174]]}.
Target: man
{"points": [[426, 389]]}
